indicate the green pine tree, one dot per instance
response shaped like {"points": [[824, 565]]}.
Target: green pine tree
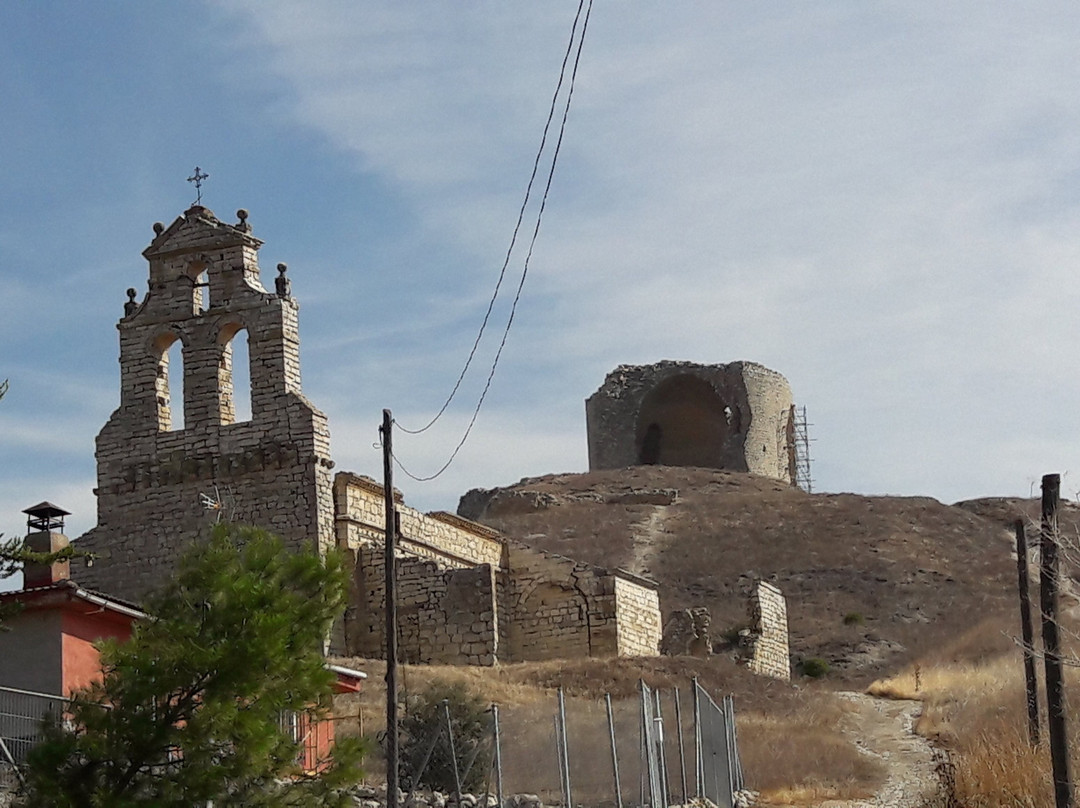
{"points": [[189, 709]]}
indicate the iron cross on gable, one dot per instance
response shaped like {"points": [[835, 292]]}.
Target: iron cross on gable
{"points": [[198, 178]]}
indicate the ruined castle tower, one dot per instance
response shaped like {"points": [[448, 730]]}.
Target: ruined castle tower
{"points": [[736, 417], [160, 485]]}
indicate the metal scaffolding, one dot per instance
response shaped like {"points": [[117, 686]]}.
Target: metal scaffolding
{"points": [[800, 436]]}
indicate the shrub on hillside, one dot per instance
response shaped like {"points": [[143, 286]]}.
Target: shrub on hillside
{"points": [[425, 724], [814, 667]]}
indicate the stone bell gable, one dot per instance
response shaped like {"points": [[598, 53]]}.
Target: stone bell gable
{"points": [[160, 483]]}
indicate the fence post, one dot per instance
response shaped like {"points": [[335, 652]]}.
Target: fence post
{"points": [[564, 753], [453, 752], [734, 763], [1027, 634], [644, 718], [661, 758], [682, 750], [498, 756], [699, 764], [1048, 597], [614, 752]]}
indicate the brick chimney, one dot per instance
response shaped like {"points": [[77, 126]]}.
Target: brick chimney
{"points": [[44, 534]]}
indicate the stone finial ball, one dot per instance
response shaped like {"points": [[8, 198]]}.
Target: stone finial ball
{"points": [[242, 214], [159, 228]]}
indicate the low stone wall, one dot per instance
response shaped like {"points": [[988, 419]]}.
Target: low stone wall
{"points": [[637, 607], [445, 614], [768, 652], [469, 596], [360, 514]]}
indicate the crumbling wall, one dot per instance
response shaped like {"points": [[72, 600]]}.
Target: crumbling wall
{"points": [[767, 650], [560, 608], [687, 633], [155, 482], [732, 416], [446, 615]]}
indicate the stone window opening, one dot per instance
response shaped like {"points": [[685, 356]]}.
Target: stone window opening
{"points": [[202, 291], [234, 375], [169, 382], [196, 273]]}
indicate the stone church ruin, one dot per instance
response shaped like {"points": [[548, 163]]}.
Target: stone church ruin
{"points": [[467, 593], [737, 417]]}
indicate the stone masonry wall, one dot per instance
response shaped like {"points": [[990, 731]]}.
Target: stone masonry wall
{"points": [[273, 470], [445, 614], [361, 518], [769, 654], [559, 608], [467, 595], [733, 416], [637, 607]]}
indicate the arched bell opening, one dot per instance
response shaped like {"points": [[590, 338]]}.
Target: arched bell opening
{"points": [[169, 382], [234, 375]]}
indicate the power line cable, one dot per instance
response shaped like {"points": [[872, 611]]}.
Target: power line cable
{"points": [[528, 255], [517, 225]]}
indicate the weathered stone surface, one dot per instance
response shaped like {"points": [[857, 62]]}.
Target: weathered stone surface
{"points": [[470, 596], [686, 633], [735, 417], [767, 640], [154, 481], [466, 594]]}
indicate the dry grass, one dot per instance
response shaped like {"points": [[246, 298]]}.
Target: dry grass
{"points": [[791, 745], [801, 758], [978, 713], [913, 569]]}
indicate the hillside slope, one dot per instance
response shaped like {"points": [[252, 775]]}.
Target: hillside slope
{"points": [[872, 582]]}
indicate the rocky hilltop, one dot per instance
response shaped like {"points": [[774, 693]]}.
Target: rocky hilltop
{"points": [[871, 582]]}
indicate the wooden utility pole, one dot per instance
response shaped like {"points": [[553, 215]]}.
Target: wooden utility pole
{"points": [[391, 613], [1048, 598], [1027, 633]]}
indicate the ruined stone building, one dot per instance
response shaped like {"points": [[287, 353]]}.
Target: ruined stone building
{"points": [[737, 417], [467, 594]]}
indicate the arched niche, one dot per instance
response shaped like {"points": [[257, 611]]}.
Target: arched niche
{"points": [[684, 422]]}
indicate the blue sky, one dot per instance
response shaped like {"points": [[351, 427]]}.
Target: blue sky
{"points": [[880, 201]]}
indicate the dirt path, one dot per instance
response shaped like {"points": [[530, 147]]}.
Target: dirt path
{"points": [[649, 539], [884, 730]]}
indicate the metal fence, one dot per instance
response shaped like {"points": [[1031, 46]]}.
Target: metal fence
{"points": [[719, 771], [22, 717], [657, 749]]}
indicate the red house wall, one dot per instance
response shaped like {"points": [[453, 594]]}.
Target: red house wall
{"points": [[81, 662]]}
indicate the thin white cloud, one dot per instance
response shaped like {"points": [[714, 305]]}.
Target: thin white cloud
{"points": [[878, 200], [874, 199]]}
